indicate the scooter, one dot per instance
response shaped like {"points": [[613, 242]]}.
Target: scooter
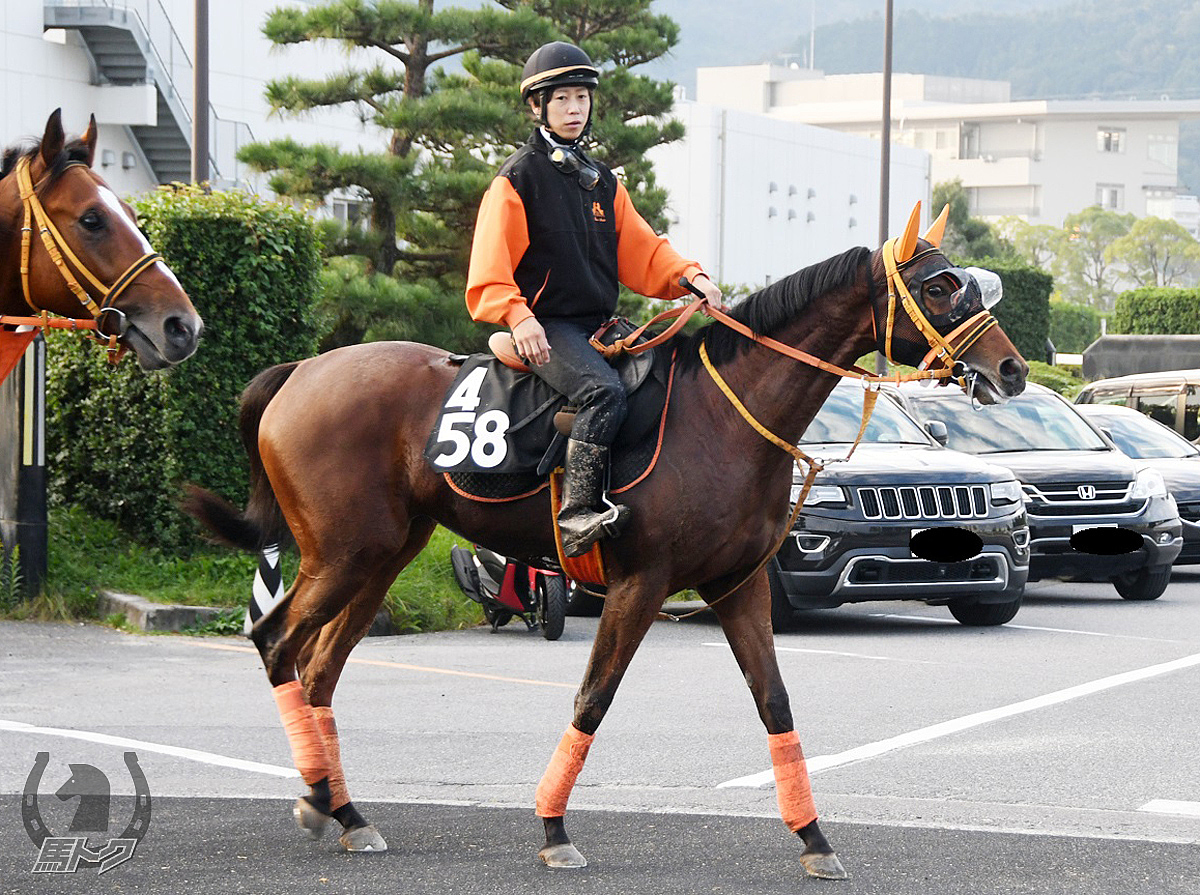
{"points": [[506, 587]]}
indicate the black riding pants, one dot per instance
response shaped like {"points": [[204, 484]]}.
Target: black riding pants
{"points": [[591, 384]]}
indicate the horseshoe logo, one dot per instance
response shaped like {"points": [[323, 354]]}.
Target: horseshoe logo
{"points": [[31, 817]]}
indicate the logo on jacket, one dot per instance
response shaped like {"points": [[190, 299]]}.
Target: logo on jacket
{"points": [[598, 212]]}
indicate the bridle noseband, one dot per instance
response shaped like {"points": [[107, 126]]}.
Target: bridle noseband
{"points": [[60, 253]]}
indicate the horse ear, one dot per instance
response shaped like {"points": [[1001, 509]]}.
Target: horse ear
{"points": [[54, 139], [908, 242], [937, 229], [89, 139]]}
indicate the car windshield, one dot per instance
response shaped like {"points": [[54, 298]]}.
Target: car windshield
{"points": [[839, 419], [1143, 438], [1028, 422]]}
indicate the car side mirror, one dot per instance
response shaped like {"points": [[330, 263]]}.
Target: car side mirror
{"points": [[937, 431]]}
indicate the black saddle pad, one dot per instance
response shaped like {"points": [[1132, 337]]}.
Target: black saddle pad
{"points": [[499, 421]]}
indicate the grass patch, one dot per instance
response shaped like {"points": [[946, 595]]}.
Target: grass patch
{"points": [[88, 555]]}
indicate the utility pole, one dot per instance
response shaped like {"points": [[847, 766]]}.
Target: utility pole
{"points": [[885, 149], [200, 135]]}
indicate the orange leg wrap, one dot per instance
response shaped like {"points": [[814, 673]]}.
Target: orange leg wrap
{"points": [[559, 779], [308, 751], [329, 735], [792, 787]]}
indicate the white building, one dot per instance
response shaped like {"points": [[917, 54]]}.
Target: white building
{"points": [[129, 62], [1039, 160], [755, 198]]}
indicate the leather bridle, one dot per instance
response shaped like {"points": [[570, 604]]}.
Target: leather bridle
{"points": [[67, 262]]}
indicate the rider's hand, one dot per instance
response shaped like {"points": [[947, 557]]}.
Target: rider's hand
{"points": [[530, 341], [712, 294]]}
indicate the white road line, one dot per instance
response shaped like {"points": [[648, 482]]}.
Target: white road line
{"points": [[946, 621], [223, 761], [829, 652], [957, 725], [1167, 806]]}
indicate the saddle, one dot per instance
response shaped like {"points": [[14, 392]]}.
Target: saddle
{"points": [[497, 431]]}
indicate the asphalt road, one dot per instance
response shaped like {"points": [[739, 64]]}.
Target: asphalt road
{"points": [[1054, 755]]}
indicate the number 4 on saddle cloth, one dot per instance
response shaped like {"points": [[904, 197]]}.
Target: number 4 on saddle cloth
{"points": [[495, 437]]}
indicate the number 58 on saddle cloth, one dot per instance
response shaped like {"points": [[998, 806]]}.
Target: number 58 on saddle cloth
{"points": [[497, 420]]}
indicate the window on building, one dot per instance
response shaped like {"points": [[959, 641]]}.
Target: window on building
{"points": [[1164, 149], [1110, 139], [1110, 196], [968, 143]]}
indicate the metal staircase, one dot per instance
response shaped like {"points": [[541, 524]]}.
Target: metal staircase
{"points": [[135, 43]]}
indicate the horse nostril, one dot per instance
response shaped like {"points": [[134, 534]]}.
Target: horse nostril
{"points": [[1011, 369], [179, 332]]}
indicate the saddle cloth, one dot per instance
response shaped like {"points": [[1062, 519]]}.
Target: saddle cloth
{"points": [[497, 423]]}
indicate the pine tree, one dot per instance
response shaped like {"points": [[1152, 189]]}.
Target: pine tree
{"points": [[445, 92]]}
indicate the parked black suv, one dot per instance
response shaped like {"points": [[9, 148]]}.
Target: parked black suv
{"points": [[1085, 499], [853, 541]]}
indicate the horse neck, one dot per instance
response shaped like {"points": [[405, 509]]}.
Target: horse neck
{"points": [[783, 393], [12, 300]]}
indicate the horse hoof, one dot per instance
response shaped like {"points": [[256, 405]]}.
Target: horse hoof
{"points": [[564, 855], [824, 866], [363, 839], [309, 819]]}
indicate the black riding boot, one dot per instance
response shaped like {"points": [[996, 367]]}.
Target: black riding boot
{"points": [[586, 515]]}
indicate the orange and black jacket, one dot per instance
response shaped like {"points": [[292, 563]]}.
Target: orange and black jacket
{"points": [[545, 246]]}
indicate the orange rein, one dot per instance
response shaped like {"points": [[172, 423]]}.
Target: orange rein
{"points": [[60, 253]]}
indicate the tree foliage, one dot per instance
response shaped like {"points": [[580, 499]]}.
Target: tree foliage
{"points": [[966, 236], [1157, 252], [441, 87]]}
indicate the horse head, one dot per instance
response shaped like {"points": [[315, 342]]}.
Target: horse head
{"points": [[82, 254], [933, 315]]}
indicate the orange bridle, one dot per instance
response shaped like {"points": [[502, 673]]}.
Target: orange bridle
{"points": [[64, 260]]}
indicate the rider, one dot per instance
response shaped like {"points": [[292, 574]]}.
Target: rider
{"points": [[556, 232]]}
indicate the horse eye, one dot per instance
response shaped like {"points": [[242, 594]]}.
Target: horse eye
{"points": [[92, 220]]}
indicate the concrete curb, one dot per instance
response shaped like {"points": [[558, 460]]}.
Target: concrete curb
{"points": [[141, 613], [146, 616]]}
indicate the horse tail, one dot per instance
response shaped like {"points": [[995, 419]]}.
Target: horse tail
{"points": [[262, 522]]}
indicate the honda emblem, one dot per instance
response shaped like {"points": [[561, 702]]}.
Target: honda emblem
{"points": [[1087, 492]]}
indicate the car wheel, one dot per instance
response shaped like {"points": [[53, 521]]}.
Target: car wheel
{"points": [[552, 605], [984, 615], [1144, 584], [782, 612], [582, 604]]}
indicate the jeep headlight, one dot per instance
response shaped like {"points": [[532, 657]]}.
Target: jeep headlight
{"points": [[1006, 492], [820, 494], [1149, 483]]}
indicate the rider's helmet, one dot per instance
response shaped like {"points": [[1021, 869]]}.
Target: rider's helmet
{"points": [[553, 65]]}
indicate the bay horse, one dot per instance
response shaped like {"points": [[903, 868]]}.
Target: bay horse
{"points": [[336, 443], [70, 247]]}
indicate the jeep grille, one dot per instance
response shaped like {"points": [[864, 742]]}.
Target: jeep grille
{"points": [[920, 502]]}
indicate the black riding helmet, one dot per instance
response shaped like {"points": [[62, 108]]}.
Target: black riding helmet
{"points": [[553, 65]]}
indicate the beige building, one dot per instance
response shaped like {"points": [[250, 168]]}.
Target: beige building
{"points": [[1039, 160]]}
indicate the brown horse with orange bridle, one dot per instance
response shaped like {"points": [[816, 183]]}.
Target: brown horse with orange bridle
{"points": [[72, 248], [336, 454]]}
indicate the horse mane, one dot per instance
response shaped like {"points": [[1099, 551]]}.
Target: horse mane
{"points": [[74, 151], [769, 309]]}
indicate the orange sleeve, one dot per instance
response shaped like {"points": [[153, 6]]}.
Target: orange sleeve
{"points": [[501, 238], [646, 262]]}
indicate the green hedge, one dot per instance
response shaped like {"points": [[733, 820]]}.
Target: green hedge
{"points": [[1025, 311], [1155, 310], [1073, 326], [120, 441]]}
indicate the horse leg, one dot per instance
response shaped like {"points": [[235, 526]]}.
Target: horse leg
{"points": [[314, 600], [745, 617], [320, 666], [617, 638]]}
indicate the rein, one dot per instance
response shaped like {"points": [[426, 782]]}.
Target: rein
{"points": [[944, 350], [60, 253]]}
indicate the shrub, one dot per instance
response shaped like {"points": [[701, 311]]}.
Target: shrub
{"points": [[1155, 310], [120, 441], [1073, 326]]}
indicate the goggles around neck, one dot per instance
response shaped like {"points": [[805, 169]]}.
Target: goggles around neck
{"points": [[568, 161]]}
